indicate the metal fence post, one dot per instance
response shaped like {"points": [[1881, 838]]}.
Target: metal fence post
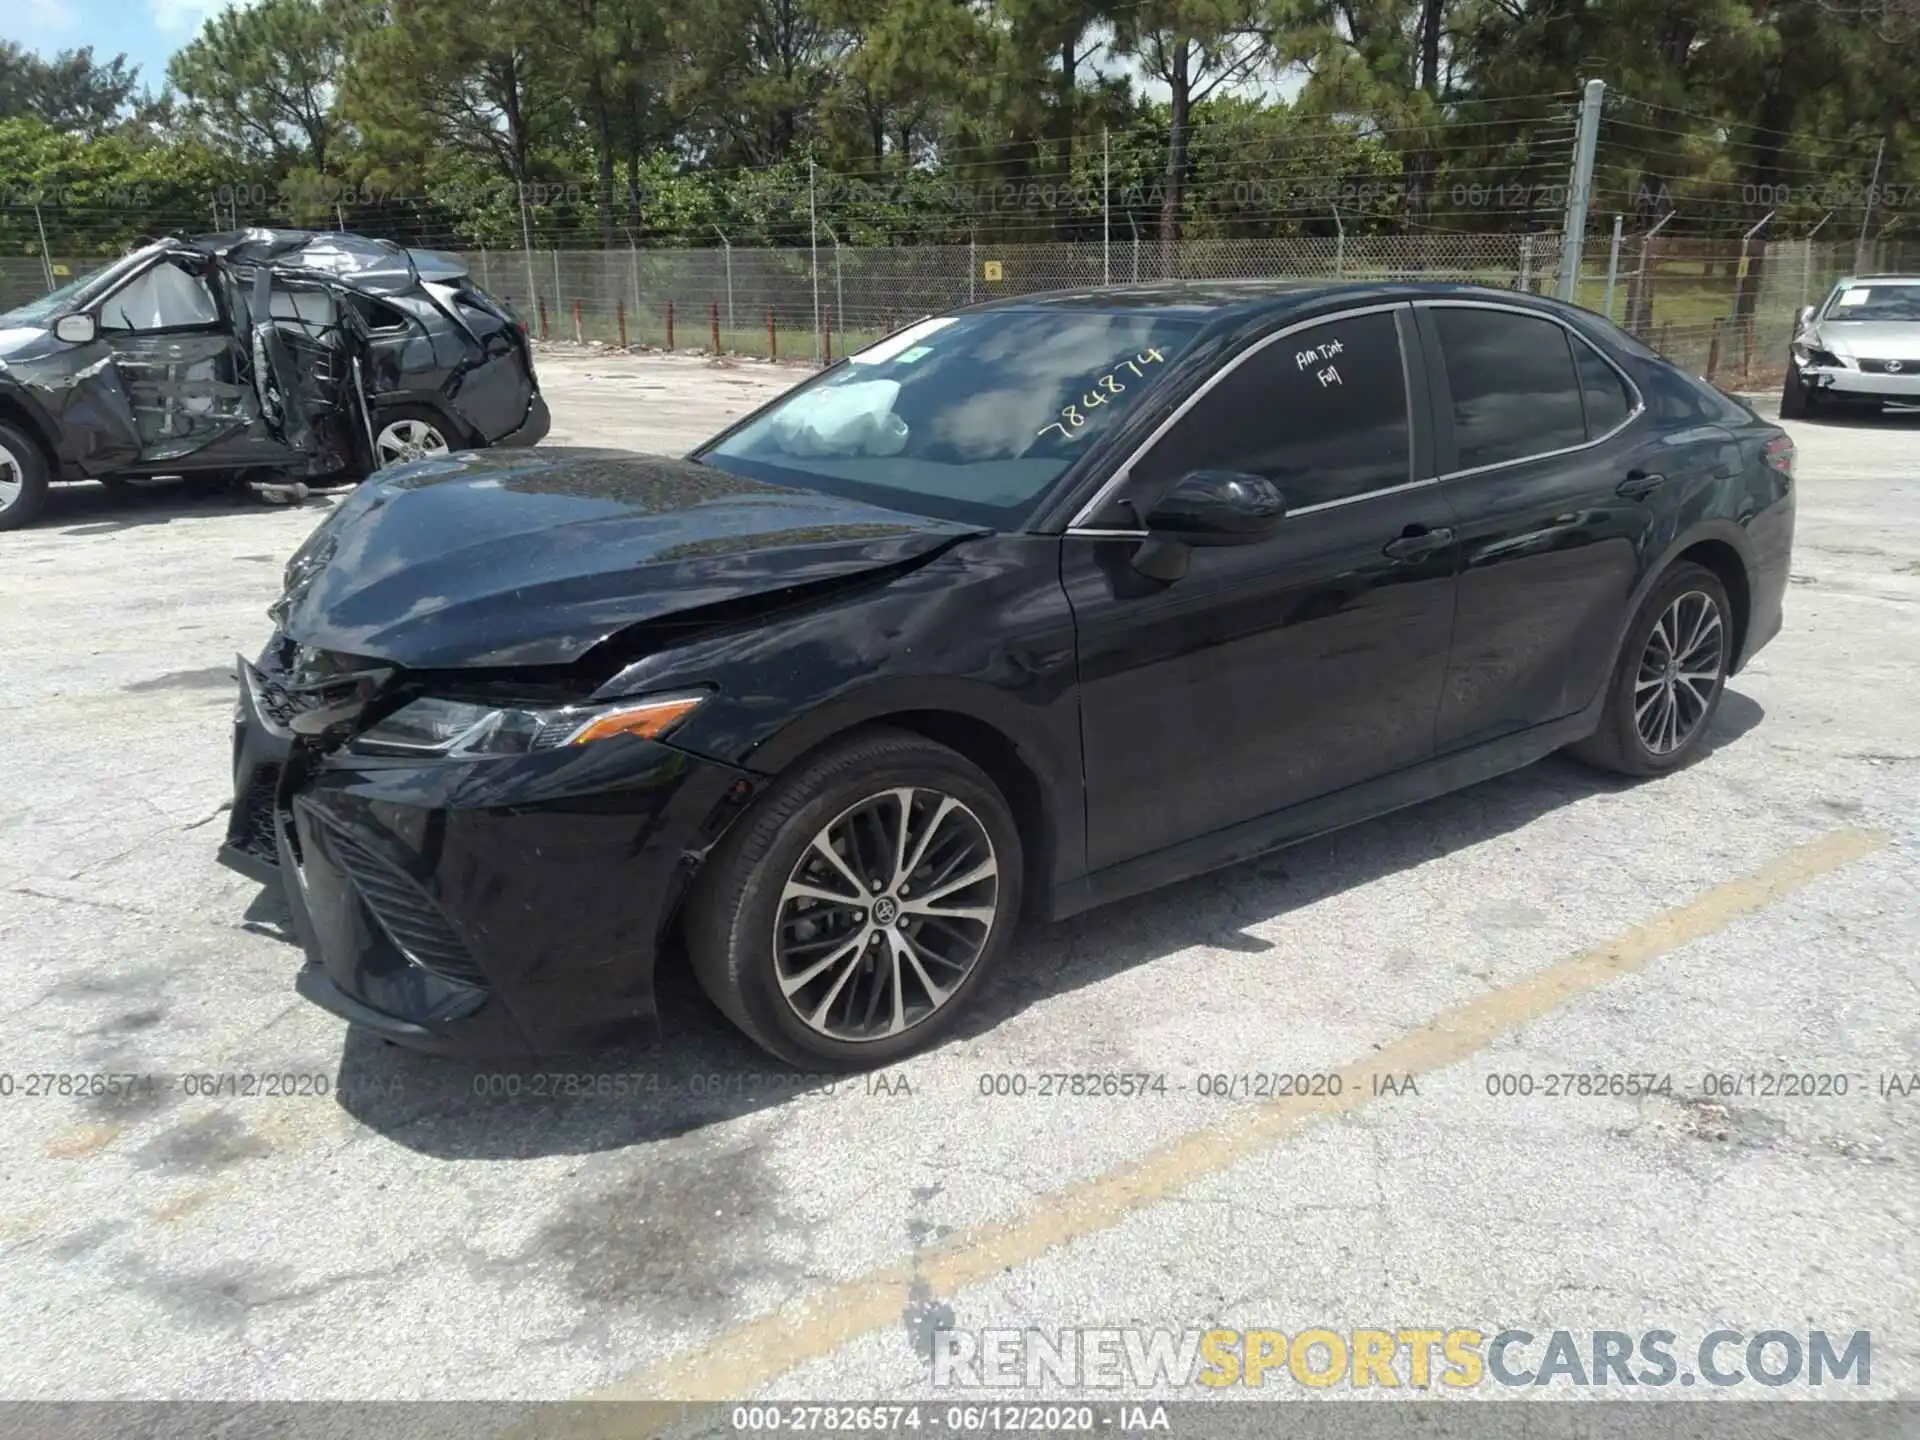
{"points": [[526, 247], [1860, 248], [1106, 210], [1574, 230], [1640, 292], [557, 296], [1613, 266], [813, 256], [1526, 263], [1806, 260], [839, 295], [1339, 244], [46, 261], [728, 244]]}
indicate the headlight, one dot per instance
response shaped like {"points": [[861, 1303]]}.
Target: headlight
{"points": [[1826, 358], [464, 729]]}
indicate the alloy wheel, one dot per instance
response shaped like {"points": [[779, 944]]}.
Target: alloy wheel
{"points": [[405, 440], [885, 914], [1679, 672], [13, 479]]}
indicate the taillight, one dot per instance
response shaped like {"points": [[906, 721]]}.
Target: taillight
{"points": [[1780, 453]]}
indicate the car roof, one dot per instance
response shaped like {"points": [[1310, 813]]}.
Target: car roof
{"points": [[1881, 280], [1233, 302], [361, 262]]}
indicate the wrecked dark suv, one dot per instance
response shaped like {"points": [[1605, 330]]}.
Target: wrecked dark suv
{"points": [[282, 355]]}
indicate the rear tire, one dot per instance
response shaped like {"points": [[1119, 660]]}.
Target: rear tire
{"points": [[406, 433], [790, 937], [1667, 684], [24, 478]]}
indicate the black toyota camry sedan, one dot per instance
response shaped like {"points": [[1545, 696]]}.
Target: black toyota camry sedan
{"points": [[1023, 609]]}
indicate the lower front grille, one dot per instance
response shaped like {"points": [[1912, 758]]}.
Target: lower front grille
{"points": [[251, 829], [406, 912]]}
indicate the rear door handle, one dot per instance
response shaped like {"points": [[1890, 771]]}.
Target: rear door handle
{"points": [[1418, 542], [1638, 485]]}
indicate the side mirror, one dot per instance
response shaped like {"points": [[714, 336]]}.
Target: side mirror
{"points": [[76, 329], [1207, 507], [1218, 507], [1806, 317]]}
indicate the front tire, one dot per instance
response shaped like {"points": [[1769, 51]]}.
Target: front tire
{"points": [[23, 479], [1796, 396], [849, 917], [1668, 682]]}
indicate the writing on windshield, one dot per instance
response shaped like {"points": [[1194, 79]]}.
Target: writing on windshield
{"points": [[968, 416]]}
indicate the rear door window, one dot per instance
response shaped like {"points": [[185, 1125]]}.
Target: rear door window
{"points": [[1514, 389], [1607, 397]]}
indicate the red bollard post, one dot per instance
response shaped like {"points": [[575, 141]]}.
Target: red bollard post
{"points": [[543, 318], [579, 335], [826, 338], [713, 323], [669, 325], [773, 337], [620, 314]]}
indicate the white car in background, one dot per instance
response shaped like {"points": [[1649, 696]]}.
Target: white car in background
{"points": [[1861, 345]]}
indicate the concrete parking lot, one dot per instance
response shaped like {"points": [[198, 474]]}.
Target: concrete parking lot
{"points": [[428, 1228]]}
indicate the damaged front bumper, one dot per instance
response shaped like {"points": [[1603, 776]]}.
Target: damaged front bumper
{"points": [[1864, 379], [494, 906]]}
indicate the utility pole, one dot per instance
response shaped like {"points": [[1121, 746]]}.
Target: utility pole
{"points": [[1860, 247], [1574, 228]]}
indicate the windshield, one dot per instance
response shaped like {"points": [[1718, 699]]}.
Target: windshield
{"points": [[1875, 302], [967, 417], [74, 293]]}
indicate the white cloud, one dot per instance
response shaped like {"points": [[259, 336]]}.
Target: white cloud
{"points": [[48, 17], [181, 17]]}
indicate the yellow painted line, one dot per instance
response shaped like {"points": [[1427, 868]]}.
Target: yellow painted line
{"points": [[741, 1361]]}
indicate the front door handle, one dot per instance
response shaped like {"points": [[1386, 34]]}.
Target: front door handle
{"points": [[1638, 485], [1418, 541]]}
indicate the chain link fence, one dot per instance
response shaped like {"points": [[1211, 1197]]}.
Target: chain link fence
{"points": [[799, 303], [1722, 309]]}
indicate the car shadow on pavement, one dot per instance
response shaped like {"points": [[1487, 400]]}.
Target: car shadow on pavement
{"points": [[90, 509], [1864, 418], [697, 1070]]}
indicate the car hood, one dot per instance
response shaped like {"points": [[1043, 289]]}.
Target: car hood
{"points": [[493, 558], [25, 342], [1875, 339]]}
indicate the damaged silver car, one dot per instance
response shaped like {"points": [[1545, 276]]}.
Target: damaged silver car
{"points": [[279, 355]]}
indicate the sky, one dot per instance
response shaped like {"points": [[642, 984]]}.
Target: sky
{"points": [[148, 31]]}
